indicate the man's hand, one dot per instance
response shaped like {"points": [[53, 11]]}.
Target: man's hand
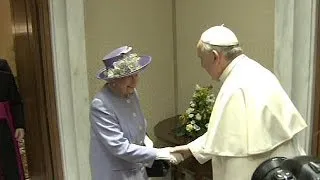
{"points": [[176, 158], [19, 134], [184, 150]]}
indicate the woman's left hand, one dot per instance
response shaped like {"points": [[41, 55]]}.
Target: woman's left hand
{"points": [[148, 142]]}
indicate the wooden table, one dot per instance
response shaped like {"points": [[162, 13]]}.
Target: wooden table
{"points": [[164, 130]]}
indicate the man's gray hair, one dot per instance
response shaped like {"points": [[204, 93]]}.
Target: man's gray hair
{"points": [[230, 52]]}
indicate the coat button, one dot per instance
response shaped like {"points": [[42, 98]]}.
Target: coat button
{"points": [[140, 128], [134, 114], [128, 100]]}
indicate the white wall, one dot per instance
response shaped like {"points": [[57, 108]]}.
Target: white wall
{"points": [[294, 60], [252, 21], [71, 86]]}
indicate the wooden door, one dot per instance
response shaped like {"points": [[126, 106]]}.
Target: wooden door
{"points": [[32, 41]]}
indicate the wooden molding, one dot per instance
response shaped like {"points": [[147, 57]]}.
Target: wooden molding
{"points": [[316, 115]]}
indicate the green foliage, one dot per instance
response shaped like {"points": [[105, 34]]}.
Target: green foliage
{"points": [[194, 122]]}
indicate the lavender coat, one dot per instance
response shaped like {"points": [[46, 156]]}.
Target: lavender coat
{"points": [[118, 129]]}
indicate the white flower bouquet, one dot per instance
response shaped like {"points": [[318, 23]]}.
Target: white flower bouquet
{"points": [[194, 122]]}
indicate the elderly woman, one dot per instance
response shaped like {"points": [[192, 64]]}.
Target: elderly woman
{"points": [[119, 146]]}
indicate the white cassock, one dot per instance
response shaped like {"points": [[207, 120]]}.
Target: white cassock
{"points": [[252, 120]]}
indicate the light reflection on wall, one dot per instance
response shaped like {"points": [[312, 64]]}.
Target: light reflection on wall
{"points": [[6, 35], [21, 29]]}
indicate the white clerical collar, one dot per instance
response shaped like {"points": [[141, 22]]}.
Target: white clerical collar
{"points": [[228, 69]]}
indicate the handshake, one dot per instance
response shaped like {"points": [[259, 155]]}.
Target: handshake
{"points": [[174, 155]]}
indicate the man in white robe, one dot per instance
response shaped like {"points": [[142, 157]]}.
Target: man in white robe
{"points": [[253, 119]]}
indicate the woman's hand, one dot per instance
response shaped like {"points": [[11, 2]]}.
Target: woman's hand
{"points": [[183, 150], [166, 154]]}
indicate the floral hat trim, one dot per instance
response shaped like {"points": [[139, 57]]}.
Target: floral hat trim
{"points": [[127, 65]]}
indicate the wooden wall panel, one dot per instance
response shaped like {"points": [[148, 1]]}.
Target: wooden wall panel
{"points": [[32, 41]]}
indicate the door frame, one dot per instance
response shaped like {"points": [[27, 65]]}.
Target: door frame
{"points": [[32, 41], [316, 106]]}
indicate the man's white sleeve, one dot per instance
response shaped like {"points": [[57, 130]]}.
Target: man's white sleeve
{"points": [[196, 148]]}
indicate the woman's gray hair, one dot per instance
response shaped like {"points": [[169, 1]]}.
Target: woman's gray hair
{"points": [[230, 52]]}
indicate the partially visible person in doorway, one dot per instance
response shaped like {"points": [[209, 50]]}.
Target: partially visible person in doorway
{"points": [[11, 125]]}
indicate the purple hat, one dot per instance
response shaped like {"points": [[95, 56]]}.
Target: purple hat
{"points": [[122, 62]]}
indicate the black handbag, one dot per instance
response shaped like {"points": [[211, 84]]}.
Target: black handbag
{"points": [[160, 168]]}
